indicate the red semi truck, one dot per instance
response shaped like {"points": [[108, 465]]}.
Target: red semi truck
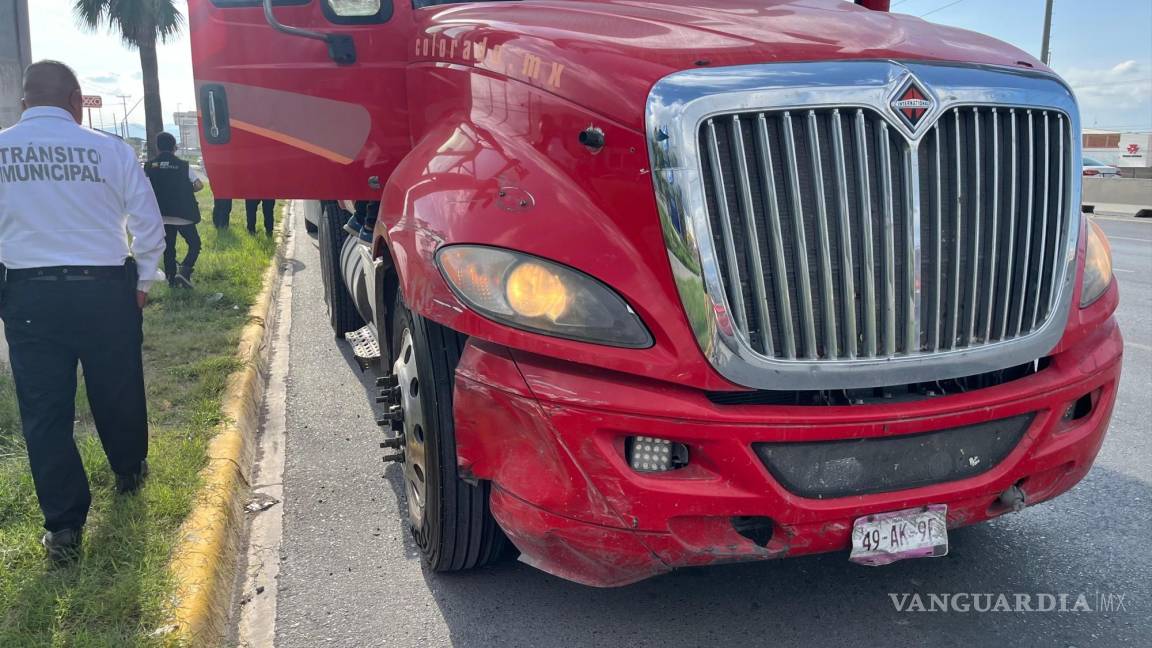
{"points": [[658, 284]]}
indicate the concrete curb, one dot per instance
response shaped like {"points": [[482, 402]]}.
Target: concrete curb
{"points": [[203, 562]]}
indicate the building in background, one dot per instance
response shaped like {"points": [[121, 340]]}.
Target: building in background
{"points": [[15, 55], [1127, 151], [189, 135]]}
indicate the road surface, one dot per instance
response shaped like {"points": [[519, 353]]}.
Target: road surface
{"points": [[350, 576]]}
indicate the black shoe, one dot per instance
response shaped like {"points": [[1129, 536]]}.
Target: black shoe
{"points": [[129, 484], [63, 547], [183, 278]]}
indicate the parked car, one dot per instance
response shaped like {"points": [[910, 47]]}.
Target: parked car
{"points": [[1097, 169]]}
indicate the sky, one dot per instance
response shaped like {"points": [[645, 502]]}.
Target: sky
{"points": [[107, 67], [1102, 47]]}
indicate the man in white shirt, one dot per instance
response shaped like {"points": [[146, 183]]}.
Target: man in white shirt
{"points": [[72, 292]]}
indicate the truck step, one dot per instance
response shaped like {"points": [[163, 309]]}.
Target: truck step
{"points": [[364, 347]]}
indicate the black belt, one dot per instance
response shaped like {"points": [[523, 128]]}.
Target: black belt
{"points": [[67, 273]]}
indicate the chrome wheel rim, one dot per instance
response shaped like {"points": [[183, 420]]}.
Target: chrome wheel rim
{"points": [[414, 428]]}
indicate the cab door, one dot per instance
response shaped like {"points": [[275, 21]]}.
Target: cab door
{"points": [[314, 107]]}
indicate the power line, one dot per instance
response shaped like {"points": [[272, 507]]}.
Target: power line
{"points": [[941, 8]]}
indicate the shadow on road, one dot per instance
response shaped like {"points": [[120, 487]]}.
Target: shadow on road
{"points": [[1092, 540], [1085, 542], [393, 474]]}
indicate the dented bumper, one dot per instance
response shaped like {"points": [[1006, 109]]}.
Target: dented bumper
{"points": [[550, 437]]}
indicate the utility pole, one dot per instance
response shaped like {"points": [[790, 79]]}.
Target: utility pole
{"points": [[124, 100], [128, 113], [1045, 48], [15, 55]]}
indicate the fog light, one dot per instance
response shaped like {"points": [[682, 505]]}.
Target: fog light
{"points": [[649, 454], [1082, 407]]}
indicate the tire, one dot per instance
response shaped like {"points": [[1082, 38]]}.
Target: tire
{"points": [[342, 313], [450, 520]]}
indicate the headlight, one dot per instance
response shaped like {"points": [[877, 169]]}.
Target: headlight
{"points": [[537, 295], [1097, 266]]}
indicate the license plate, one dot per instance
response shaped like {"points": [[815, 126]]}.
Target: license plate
{"points": [[883, 538]]}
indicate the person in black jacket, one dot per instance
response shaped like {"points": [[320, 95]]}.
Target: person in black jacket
{"points": [[175, 182]]}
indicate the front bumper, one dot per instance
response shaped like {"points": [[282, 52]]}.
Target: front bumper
{"points": [[550, 437]]}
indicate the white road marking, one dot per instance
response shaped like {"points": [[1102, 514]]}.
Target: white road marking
{"points": [[257, 624], [1128, 238], [1137, 345], [1121, 270]]}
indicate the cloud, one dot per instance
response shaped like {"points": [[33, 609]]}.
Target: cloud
{"points": [[107, 84], [1126, 67], [1117, 97], [103, 78]]}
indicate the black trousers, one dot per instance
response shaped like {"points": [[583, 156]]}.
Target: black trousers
{"points": [[191, 237], [222, 212], [268, 205], [52, 325]]}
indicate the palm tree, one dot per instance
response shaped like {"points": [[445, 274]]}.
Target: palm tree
{"points": [[141, 24]]}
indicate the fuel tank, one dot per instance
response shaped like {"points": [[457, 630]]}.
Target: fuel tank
{"points": [[356, 269]]}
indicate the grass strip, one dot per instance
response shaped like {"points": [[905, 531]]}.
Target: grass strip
{"points": [[118, 594]]}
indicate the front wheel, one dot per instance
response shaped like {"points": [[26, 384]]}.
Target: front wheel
{"points": [[450, 518]]}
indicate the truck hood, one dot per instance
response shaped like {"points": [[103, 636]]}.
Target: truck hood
{"points": [[606, 55]]}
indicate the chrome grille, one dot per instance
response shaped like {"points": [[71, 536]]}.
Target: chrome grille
{"points": [[838, 238]]}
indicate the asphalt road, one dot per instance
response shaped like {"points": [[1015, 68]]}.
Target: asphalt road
{"points": [[350, 576]]}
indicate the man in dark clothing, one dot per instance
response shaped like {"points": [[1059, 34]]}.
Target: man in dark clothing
{"points": [[175, 182], [222, 212], [269, 205]]}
